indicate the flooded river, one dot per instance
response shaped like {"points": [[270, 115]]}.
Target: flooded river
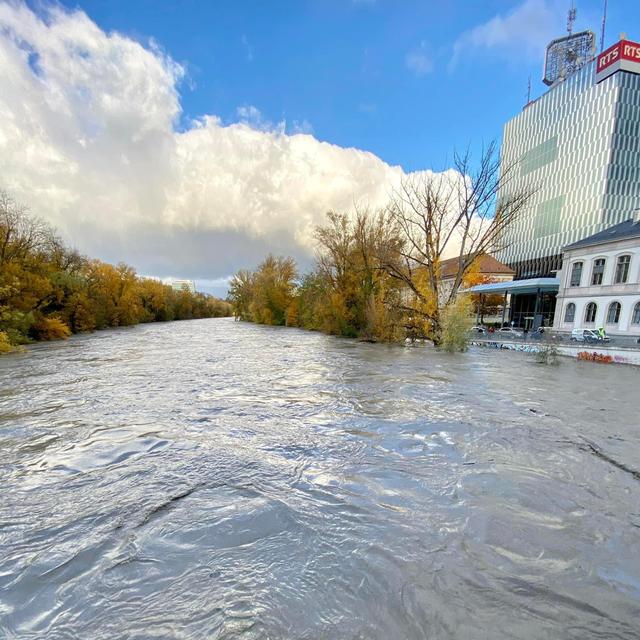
{"points": [[212, 479]]}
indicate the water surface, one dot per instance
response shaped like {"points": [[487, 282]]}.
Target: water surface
{"points": [[212, 479]]}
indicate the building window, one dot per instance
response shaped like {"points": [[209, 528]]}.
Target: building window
{"points": [[576, 274], [570, 312], [590, 313], [598, 271], [613, 314], [622, 270], [635, 319]]}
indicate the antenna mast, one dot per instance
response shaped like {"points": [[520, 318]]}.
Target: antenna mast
{"points": [[604, 26], [571, 18]]}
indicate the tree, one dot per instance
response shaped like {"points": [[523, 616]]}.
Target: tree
{"points": [[358, 288], [48, 291], [265, 296], [241, 294], [464, 211], [22, 237]]}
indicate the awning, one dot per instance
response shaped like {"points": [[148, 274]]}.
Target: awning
{"points": [[533, 285]]}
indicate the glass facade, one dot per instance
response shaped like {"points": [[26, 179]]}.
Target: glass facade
{"points": [[578, 148]]}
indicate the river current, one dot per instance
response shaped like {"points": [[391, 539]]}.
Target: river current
{"points": [[214, 479]]}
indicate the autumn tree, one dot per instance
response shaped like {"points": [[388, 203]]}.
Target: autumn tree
{"points": [[266, 295], [48, 291], [358, 290], [465, 212], [241, 294]]}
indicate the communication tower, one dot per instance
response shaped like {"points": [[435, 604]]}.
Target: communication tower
{"points": [[568, 54]]}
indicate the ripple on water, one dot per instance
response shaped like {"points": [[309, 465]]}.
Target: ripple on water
{"points": [[218, 479]]}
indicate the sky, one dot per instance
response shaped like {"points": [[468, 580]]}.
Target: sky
{"points": [[190, 138]]}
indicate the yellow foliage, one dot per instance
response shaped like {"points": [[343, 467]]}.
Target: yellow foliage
{"points": [[456, 325], [292, 314], [50, 329], [5, 345]]}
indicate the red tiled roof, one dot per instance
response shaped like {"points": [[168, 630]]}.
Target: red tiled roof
{"points": [[488, 265]]}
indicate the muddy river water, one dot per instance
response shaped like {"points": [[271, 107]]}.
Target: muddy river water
{"points": [[213, 479]]}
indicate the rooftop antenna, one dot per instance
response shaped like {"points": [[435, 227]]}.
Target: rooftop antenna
{"points": [[529, 91], [571, 18], [604, 26]]}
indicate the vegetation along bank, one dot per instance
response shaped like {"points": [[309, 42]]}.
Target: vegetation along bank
{"points": [[48, 291], [377, 274]]}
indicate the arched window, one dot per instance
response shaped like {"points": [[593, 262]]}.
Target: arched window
{"points": [[622, 270], [576, 274], [590, 313], [635, 318], [570, 312], [613, 314], [598, 271]]}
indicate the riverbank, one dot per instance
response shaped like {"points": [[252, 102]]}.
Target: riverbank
{"points": [[49, 291]]}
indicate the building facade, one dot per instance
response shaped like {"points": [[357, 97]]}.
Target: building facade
{"points": [[578, 148], [486, 269], [600, 282], [182, 285]]}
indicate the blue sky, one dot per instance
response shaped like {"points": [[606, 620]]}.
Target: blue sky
{"points": [[191, 138], [379, 75]]}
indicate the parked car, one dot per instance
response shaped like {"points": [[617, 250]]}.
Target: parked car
{"points": [[479, 329], [588, 335], [509, 332]]}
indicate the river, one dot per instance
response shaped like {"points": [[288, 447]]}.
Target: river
{"points": [[214, 479]]}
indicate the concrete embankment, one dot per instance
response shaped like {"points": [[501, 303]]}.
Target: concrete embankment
{"points": [[610, 354]]}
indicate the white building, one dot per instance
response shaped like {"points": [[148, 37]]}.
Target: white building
{"points": [[600, 281], [182, 285]]}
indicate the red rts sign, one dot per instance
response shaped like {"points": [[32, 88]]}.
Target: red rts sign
{"points": [[622, 56]]}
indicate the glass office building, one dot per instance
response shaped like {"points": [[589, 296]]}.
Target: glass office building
{"points": [[578, 147]]}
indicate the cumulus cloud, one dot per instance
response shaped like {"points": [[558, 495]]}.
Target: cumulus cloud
{"points": [[526, 29], [88, 139]]}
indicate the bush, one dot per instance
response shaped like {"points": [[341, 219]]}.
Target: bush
{"points": [[5, 345], [547, 354], [456, 325], [50, 329]]}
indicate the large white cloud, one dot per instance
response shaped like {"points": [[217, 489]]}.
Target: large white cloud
{"points": [[88, 140]]}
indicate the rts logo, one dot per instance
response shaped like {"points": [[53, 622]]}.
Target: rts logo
{"points": [[609, 57], [631, 51]]}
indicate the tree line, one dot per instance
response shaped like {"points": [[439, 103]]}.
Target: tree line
{"points": [[377, 273], [48, 291]]}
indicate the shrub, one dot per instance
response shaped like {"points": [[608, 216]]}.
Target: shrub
{"points": [[5, 345], [547, 354], [456, 324], [50, 329]]}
